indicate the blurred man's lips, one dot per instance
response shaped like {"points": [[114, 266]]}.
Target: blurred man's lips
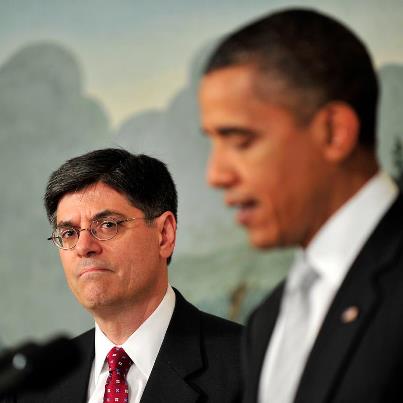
{"points": [[245, 210]]}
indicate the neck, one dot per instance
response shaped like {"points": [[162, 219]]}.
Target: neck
{"points": [[118, 323], [343, 184]]}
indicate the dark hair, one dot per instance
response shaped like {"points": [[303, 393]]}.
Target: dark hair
{"points": [[145, 181], [316, 55]]}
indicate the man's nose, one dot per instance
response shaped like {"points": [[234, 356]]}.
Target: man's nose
{"points": [[87, 244], [220, 173]]}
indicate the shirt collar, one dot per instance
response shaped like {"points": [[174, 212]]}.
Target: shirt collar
{"points": [[144, 344], [338, 242]]}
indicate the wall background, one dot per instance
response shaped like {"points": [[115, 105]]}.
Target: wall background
{"points": [[80, 75]]}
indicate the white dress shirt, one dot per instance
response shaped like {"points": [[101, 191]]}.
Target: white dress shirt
{"points": [[142, 347], [331, 253]]}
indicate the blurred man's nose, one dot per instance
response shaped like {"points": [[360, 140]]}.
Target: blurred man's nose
{"points": [[220, 173]]}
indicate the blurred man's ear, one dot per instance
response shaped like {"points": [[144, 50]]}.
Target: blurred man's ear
{"points": [[167, 233], [341, 128]]}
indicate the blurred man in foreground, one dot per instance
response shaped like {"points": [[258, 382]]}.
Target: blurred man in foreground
{"points": [[289, 103], [114, 223]]}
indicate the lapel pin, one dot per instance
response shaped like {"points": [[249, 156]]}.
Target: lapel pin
{"points": [[350, 314]]}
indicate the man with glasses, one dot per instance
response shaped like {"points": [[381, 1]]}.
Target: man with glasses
{"points": [[114, 223]]}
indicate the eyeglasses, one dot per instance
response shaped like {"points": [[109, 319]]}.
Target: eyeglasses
{"points": [[66, 237]]}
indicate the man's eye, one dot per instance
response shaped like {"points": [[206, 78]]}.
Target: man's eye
{"points": [[241, 142], [244, 143], [107, 224], [67, 233]]}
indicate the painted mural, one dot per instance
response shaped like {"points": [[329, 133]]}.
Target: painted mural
{"points": [[76, 76]]}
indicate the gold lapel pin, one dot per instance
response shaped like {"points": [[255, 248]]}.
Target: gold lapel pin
{"points": [[350, 314]]}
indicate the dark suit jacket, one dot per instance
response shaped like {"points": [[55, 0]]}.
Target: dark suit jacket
{"points": [[199, 361], [356, 362]]}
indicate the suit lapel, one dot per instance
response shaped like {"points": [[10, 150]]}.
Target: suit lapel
{"points": [[358, 294], [178, 358], [166, 385]]}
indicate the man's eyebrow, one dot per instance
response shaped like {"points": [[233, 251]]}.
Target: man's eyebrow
{"points": [[65, 224], [228, 131], [99, 216], [106, 213]]}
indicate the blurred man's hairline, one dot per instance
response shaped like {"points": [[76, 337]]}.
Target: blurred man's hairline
{"points": [[291, 97]]}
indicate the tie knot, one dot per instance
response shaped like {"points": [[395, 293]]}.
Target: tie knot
{"points": [[118, 360], [302, 277], [307, 280]]}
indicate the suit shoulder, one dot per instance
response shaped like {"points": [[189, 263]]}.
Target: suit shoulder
{"points": [[184, 309], [220, 337], [208, 321], [217, 323]]}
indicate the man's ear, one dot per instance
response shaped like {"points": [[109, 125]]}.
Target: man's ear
{"points": [[167, 233], [341, 126]]}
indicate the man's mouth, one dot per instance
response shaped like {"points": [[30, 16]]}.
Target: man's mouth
{"points": [[90, 270], [246, 209]]}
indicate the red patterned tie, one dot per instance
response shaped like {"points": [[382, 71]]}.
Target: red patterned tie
{"points": [[116, 388]]}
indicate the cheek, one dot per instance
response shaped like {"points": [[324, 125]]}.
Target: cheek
{"points": [[137, 254], [67, 264], [69, 268], [264, 162]]}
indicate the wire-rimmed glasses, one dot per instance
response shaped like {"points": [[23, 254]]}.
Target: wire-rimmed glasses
{"points": [[66, 237]]}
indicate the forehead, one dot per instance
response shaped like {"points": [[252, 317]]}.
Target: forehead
{"points": [[91, 200], [228, 83], [239, 87], [243, 97], [246, 96]]}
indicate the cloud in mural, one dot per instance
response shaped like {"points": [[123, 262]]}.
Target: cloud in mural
{"points": [[45, 118], [42, 100]]}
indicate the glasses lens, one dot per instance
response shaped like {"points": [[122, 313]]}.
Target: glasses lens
{"points": [[65, 237], [104, 229]]}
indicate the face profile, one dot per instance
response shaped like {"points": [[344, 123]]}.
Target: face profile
{"points": [[265, 159]]}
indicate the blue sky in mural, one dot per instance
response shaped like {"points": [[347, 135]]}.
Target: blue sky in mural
{"points": [[138, 52]]}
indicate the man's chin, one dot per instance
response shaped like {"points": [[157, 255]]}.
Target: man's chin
{"points": [[262, 240], [92, 305], [93, 299]]}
